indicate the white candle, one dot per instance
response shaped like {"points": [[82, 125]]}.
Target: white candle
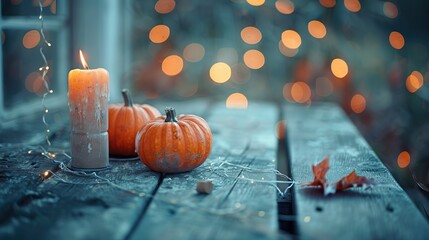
{"points": [[88, 104]]}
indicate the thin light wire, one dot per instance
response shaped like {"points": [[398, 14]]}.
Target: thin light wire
{"points": [[44, 69], [218, 169], [230, 212]]}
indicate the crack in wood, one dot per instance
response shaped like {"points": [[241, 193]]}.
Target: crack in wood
{"points": [[144, 208], [234, 184]]}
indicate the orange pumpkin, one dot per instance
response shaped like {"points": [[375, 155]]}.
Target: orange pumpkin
{"points": [[124, 123], [171, 144]]}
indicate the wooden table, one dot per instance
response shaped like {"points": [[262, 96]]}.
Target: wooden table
{"points": [[137, 203]]}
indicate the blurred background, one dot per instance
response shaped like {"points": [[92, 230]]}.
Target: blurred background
{"points": [[369, 56]]}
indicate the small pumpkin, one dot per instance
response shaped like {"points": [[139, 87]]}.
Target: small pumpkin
{"points": [[124, 123], [171, 144]]}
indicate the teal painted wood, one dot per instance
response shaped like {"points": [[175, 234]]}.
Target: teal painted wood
{"points": [[384, 212], [237, 208], [51, 209]]}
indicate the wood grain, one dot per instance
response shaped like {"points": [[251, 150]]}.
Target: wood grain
{"points": [[52, 209], [384, 212], [236, 209], [86, 209]]}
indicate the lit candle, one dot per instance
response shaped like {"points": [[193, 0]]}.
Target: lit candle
{"points": [[88, 104]]}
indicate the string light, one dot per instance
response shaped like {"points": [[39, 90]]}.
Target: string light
{"points": [[217, 168], [231, 212], [44, 69]]}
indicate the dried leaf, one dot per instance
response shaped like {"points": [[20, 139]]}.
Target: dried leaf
{"points": [[319, 172], [353, 180]]}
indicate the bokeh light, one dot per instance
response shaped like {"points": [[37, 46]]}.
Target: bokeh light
{"points": [[291, 39], [251, 35], [254, 59], [165, 6], [287, 92], [256, 3], [414, 81], [193, 52], [317, 29], [172, 65], [404, 159], [358, 103], [285, 6], [339, 68], [31, 39], [33, 82], [300, 92], [328, 3], [237, 100], [220, 72], [287, 51], [390, 10], [352, 5], [396, 40], [159, 33]]}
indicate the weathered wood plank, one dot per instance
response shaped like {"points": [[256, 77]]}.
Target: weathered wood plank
{"points": [[237, 208], [384, 212], [29, 129], [20, 169], [19, 172], [82, 210], [53, 209]]}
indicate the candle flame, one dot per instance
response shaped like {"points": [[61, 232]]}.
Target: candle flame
{"points": [[82, 59]]}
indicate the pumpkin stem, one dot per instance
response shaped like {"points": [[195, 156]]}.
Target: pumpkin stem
{"points": [[128, 101], [170, 115]]}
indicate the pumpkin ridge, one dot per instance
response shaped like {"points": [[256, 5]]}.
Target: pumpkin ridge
{"points": [[112, 121], [151, 111], [206, 131], [189, 133], [137, 121], [162, 148], [125, 121], [186, 143], [179, 142], [146, 116], [176, 146], [147, 146], [135, 116], [200, 121], [118, 130], [198, 137]]}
